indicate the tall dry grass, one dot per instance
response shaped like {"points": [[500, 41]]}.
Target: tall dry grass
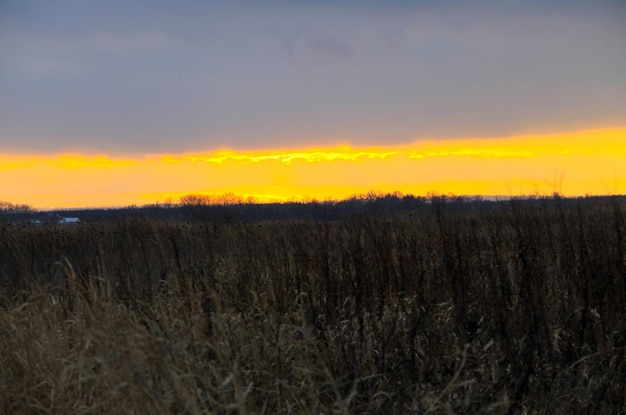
{"points": [[520, 309]]}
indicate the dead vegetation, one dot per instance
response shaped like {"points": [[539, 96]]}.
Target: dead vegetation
{"points": [[520, 309]]}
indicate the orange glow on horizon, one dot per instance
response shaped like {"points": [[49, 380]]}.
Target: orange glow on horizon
{"points": [[579, 163]]}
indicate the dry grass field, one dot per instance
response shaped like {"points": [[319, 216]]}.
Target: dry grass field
{"points": [[519, 309]]}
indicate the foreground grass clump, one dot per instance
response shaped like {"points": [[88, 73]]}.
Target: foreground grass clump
{"points": [[519, 309]]}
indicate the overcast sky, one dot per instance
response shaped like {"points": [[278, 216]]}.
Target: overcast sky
{"points": [[134, 77]]}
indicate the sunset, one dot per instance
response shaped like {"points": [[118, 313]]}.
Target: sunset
{"points": [[574, 164], [313, 207], [132, 104]]}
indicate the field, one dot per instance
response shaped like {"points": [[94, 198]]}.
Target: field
{"points": [[515, 309]]}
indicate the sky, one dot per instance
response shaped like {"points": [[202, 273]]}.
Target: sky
{"points": [[130, 102]]}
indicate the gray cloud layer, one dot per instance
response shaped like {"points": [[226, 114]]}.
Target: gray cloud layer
{"points": [[152, 76]]}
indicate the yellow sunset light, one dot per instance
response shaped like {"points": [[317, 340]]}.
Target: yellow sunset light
{"points": [[580, 163]]}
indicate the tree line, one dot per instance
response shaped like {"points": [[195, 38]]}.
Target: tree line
{"points": [[230, 207], [14, 208]]}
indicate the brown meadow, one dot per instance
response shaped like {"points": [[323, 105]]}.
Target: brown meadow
{"points": [[517, 309]]}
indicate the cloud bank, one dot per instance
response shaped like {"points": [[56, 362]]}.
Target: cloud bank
{"points": [[156, 76]]}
